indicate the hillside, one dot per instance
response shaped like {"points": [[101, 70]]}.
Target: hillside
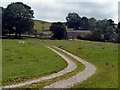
{"points": [[39, 25]]}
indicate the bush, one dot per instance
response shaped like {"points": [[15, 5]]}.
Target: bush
{"points": [[58, 30], [80, 37]]}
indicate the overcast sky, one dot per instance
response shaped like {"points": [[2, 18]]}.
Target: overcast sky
{"points": [[57, 10]]}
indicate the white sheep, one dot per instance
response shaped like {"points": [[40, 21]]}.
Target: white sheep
{"points": [[22, 42]]}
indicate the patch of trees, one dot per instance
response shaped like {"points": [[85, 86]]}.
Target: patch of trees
{"points": [[17, 19], [101, 30], [0, 22], [76, 22], [118, 31], [73, 20], [58, 30], [104, 30]]}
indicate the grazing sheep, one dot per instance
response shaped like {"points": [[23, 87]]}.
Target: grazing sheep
{"points": [[22, 42]]}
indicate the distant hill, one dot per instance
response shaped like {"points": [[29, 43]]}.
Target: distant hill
{"points": [[41, 25]]}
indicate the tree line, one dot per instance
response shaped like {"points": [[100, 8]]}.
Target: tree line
{"points": [[18, 19], [101, 30]]}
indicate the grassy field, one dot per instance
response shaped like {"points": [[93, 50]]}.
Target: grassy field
{"points": [[38, 25], [28, 60], [80, 67], [103, 55]]}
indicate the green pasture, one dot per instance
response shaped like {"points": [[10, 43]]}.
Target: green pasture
{"points": [[27, 61], [31, 60], [103, 55], [41, 25]]}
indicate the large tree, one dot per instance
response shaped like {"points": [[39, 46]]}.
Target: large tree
{"points": [[92, 22], [58, 30], [118, 25], [73, 20], [85, 23], [1, 21], [17, 18]]}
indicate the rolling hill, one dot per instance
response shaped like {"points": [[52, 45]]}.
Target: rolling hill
{"points": [[39, 25]]}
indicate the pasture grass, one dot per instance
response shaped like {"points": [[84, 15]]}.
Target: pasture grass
{"points": [[27, 61], [103, 55], [80, 67], [41, 25]]}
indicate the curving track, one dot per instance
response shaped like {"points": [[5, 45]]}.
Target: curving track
{"points": [[71, 66], [78, 78], [89, 71]]}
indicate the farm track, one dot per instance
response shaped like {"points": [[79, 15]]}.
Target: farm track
{"points": [[78, 78], [71, 66]]}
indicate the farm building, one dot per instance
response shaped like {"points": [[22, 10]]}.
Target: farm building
{"points": [[73, 34]]}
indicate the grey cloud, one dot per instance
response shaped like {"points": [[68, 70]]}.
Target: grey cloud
{"points": [[100, 11], [59, 10], [119, 11]]}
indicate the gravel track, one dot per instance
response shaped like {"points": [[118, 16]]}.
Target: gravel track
{"points": [[71, 66], [78, 78]]}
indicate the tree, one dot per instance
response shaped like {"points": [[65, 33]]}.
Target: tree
{"points": [[104, 30], [109, 33], [97, 35], [0, 21], [58, 30], [118, 25], [4, 29], [111, 22], [85, 23], [92, 22], [73, 20], [18, 18], [117, 37]]}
